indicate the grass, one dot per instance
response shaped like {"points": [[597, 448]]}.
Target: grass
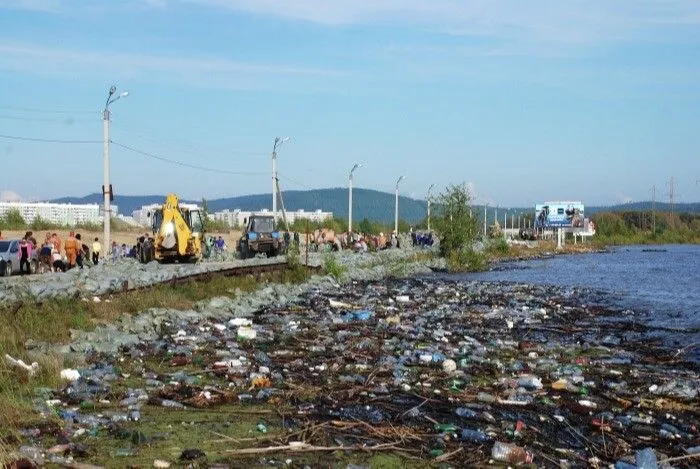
{"points": [[334, 268], [51, 322]]}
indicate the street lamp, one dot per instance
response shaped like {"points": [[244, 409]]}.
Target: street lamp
{"points": [[357, 165], [278, 143], [107, 187], [429, 189], [396, 211]]}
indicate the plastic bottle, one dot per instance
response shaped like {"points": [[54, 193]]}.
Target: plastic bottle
{"points": [[510, 453], [466, 413], [474, 436]]}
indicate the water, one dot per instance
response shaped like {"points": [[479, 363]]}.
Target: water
{"points": [[661, 284]]}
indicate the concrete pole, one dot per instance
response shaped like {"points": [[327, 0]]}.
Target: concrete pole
{"points": [[505, 224], [274, 181], [484, 221], [107, 192], [350, 203], [429, 201], [396, 209]]}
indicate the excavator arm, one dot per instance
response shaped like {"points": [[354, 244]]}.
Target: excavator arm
{"points": [[174, 230]]}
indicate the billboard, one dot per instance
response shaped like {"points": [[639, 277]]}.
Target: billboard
{"points": [[559, 214]]}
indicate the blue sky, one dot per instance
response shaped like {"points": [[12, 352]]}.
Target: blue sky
{"points": [[595, 100]]}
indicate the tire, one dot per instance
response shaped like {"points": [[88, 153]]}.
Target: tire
{"points": [[245, 252], [6, 269]]}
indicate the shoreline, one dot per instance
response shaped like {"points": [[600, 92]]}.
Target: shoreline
{"points": [[142, 359]]}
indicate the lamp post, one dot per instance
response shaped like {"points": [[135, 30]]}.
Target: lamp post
{"points": [[396, 210], [278, 143], [357, 165], [429, 189], [107, 187]]}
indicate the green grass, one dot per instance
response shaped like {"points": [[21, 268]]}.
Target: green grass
{"points": [[51, 321]]}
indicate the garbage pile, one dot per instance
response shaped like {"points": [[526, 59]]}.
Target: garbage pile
{"points": [[465, 373]]}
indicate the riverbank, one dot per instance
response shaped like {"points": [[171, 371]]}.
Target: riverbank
{"points": [[328, 372]]}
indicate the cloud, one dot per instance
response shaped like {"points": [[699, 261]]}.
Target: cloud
{"points": [[591, 21], [624, 198], [9, 196], [213, 71]]}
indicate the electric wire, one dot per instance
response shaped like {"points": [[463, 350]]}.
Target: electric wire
{"points": [[47, 140], [47, 111], [180, 163], [179, 142]]}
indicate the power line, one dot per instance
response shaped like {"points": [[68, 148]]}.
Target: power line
{"points": [[46, 140], [47, 111], [195, 147], [64, 120], [180, 163], [294, 182]]}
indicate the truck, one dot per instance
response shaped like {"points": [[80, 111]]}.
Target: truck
{"points": [[260, 236], [178, 233]]}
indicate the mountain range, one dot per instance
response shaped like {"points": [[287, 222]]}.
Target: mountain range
{"points": [[367, 203]]}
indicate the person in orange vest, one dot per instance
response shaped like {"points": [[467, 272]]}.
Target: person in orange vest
{"points": [[72, 248]]}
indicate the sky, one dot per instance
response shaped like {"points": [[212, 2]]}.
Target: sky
{"points": [[594, 100]]}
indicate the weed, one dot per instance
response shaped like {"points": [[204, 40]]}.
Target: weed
{"points": [[333, 268]]}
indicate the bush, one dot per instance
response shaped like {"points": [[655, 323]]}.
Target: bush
{"points": [[498, 246], [457, 228], [466, 260], [333, 268]]}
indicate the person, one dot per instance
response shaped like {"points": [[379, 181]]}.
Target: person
{"points": [[1, 235], [115, 252], [45, 254], [58, 263], [71, 248], [56, 241], [96, 249], [80, 250], [25, 252], [220, 243], [125, 250], [29, 235]]}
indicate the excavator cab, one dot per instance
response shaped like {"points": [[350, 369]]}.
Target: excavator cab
{"points": [[177, 232]]}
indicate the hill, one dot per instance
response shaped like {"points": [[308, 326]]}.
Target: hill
{"points": [[367, 203]]}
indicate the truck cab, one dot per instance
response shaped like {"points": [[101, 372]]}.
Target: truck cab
{"points": [[260, 236]]}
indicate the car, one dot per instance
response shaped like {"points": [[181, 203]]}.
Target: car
{"points": [[9, 258]]}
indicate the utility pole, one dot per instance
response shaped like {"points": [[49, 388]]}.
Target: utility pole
{"points": [[653, 212], [107, 186], [671, 195], [484, 220], [396, 210], [357, 165], [278, 143], [429, 200]]}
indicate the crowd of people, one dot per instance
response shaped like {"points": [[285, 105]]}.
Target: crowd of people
{"points": [[60, 255]]}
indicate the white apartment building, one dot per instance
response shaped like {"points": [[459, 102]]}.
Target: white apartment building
{"points": [[236, 218], [140, 216], [61, 214]]}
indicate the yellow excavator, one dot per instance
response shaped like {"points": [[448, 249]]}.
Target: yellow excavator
{"points": [[178, 233]]}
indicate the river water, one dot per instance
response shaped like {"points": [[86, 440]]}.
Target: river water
{"points": [[661, 284]]}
